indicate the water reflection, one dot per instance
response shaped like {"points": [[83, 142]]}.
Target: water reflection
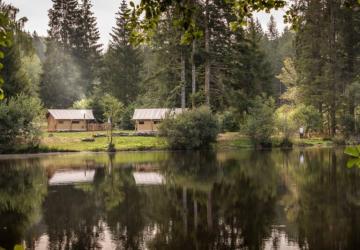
{"points": [[300, 199]]}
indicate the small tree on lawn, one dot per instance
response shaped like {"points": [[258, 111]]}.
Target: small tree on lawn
{"points": [[113, 109], [260, 122], [193, 129]]}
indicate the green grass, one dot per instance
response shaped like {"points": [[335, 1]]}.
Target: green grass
{"points": [[71, 141], [311, 142], [236, 140]]}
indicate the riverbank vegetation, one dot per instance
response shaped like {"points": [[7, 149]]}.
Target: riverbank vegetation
{"points": [[259, 82]]}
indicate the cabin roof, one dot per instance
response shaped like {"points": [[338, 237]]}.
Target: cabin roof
{"points": [[72, 114], [155, 114]]}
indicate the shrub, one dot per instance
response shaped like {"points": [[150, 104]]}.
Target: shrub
{"points": [[192, 129], [339, 140], [309, 117], [260, 121], [284, 121], [347, 123], [229, 121], [20, 119], [125, 119]]}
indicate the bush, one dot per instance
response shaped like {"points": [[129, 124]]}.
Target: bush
{"points": [[309, 117], [126, 121], [339, 140], [192, 129], [229, 121], [20, 119], [260, 121], [347, 123], [284, 121]]}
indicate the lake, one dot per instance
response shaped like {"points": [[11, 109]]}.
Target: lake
{"points": [[298, 199]]}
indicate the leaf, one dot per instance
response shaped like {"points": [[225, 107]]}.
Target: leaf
{"points": [[19, 247], [352, 151], [353, 162], [1, 94]]}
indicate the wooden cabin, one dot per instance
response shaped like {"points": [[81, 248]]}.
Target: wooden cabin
{"points": [[70, 120], [148, 120]]}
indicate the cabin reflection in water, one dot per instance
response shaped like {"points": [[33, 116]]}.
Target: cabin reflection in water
{"points": [[67, 177], [146, 178], [179, 200]]}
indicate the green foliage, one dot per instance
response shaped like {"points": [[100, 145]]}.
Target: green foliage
{"points": [[84, 103], [289, 78], [229, 121], [284, 121], [146, 16], [120, 74], [326, 65], [309, 117], [20, 118], [353, 152], [126, 121], [112, 107], [260, 121], [5, 41], [347, 123], [192, 129], [113, 110]]}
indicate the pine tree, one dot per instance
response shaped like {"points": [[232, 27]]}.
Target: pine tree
{"points": [[63, 22], [273, 33], [122, 62], [88, 49], [326, 45], [271, 47], [13, 73], [61, 82]]}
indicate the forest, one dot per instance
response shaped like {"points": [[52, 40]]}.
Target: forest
{"points": [[209, 56]]}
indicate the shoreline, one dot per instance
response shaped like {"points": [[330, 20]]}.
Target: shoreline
{"points": [[40, 153]]}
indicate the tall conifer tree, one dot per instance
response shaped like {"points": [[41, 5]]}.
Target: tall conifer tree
{"points": [[122, 62]]}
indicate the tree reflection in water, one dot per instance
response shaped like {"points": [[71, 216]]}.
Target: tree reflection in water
{"points": [[234, 200], [22, 190]]}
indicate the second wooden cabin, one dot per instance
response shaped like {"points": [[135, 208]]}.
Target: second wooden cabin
{"points": [[148, 120]]}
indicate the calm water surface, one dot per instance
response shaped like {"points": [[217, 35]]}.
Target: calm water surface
{"points": [[300, 199]]}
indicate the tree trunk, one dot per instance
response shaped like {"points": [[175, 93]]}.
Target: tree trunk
{"points": [[183, 91], [209, 214], [196, 219], [193, 73], [333, 60], [207, 56], [185, 213]]}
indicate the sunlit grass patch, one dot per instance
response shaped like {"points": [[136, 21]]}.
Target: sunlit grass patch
{"points": [[72, 141]]}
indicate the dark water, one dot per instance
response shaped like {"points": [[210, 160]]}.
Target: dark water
{"points": [[302, 199]]}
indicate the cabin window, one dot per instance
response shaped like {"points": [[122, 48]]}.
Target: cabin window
{"points": [[156, 122], [141, 123], [75, 122], [61, 122]]}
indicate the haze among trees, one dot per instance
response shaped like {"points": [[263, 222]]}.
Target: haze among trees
{"points": [[189, 54]]}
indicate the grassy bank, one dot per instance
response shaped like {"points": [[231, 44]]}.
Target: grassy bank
{"points": [[235, 140], [72, 141]]}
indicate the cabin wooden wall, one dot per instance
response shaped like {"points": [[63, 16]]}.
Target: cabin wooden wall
{"points": [[51, 123], [149, 125], [65, 125]]}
